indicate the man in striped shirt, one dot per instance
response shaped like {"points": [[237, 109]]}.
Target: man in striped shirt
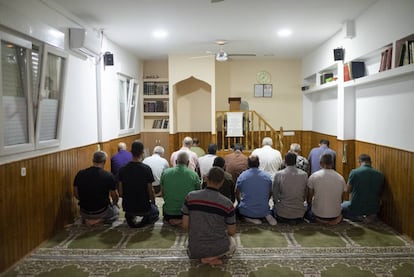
{"points": [[209, 218]]}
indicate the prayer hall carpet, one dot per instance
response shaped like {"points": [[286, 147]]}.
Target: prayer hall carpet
{"points": [[348, 249]]}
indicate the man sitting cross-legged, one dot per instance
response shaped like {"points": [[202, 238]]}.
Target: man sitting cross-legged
{"points": [[176, 182], [95, 187], [135, 187], [326, 188], [209, 218], [253, 191]]}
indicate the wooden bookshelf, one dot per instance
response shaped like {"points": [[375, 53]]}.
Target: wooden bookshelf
{"points": [[155, 105]]}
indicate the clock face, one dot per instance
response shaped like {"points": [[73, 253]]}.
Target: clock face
{"points": [[263, 77]]}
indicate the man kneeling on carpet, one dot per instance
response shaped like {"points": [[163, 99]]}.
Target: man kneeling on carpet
{"points": [[253, 191], [325, 191], [92, 187], [209, 218], [135, 188]]}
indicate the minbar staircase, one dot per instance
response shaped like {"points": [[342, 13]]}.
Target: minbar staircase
{"points": [[255, 128]]}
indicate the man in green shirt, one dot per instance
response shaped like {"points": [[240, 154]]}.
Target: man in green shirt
{"points": [[364, 185], [176, 182]]}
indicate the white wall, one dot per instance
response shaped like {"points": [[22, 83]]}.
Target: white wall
{"points": [[382, 24], [80, 109], [126, 64], [324, 112], [385, 113], [381, 110]]}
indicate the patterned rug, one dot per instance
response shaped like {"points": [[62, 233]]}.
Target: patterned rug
{"points": [[348, 249]]}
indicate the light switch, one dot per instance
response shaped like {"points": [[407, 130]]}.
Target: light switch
{"points": [[23, 171]]}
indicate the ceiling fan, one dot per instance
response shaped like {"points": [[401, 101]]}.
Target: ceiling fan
{"points": [[222, 55]]}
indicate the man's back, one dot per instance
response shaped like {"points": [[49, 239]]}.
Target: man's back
{"points": [[210, 212], [206, 162], [119, 160], [93, 185], [316, 153], [367, 184], [157, 164], [176, 183], [289, 192], [328, 186], [303, 164], [192, 156], [270, 159], [255, 186], [236, 163], [135, 177]]}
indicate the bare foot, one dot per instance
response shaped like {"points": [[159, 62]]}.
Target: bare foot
{"points": [[175, 222], [331, 222], [336, 220], [212, 261], [93, 222]]}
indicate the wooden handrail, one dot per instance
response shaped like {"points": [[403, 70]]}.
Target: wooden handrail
{"points": [[255, 128]]}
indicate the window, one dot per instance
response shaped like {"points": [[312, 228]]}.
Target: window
{"points": [[128, 97], [16, 120], [29, 114], [50, 98]]}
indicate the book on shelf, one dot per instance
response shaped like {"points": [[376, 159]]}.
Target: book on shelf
{"points": [[407, 53], [347, 75], [165, 123], [402, 55], [354, 70], [154, 88], [386, 59], [156, 106], [160, 123], [389, 59]]}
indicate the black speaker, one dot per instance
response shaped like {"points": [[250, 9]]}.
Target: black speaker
{"points": [[338, 54], [108, 58]]}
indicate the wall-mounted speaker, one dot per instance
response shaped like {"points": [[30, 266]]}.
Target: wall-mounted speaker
{"points": [[338, 54], [349, 29], [108, 58]]}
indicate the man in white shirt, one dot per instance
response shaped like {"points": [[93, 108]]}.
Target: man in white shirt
{"points": [[206, 161], [270, 159], [158, 164]]}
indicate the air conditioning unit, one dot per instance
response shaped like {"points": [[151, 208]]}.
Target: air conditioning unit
{"points": [[85, 42]]}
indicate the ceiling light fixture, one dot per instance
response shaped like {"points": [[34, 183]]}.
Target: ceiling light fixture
{"points": [[159, 34], [221, 56], [284, 33]]}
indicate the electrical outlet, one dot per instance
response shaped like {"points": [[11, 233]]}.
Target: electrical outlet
{"points": [[23, 171]]}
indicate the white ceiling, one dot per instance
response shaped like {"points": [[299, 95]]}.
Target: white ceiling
{"points": [[249, 26]]}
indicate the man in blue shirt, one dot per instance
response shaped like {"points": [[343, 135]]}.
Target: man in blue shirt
{"points": [[316, 154], [253, 191], [120, 159], [365, 184]]}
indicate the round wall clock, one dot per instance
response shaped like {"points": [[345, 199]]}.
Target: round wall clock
{"points": [[263, 77]]}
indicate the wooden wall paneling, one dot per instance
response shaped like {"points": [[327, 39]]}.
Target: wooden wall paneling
{"points": [[288, 140], [152, 139], [398, 167], [38, 205], [306, 143], [393, 194]]}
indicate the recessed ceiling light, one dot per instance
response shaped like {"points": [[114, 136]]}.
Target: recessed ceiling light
{"points": [[284, 33], [159, 34]]}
